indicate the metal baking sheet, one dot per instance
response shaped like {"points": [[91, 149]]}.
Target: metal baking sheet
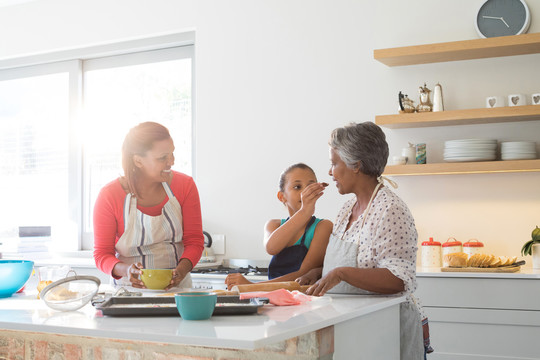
{"points": [[165, 306]]}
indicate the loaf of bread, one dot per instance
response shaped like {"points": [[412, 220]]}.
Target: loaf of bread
{"points": [[458, 259], [489, 261]]}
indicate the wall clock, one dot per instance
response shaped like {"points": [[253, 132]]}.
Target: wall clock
{"points": [[502, 18]]}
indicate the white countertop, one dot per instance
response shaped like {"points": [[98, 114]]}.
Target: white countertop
{"points": [[524, 273], [272, 324]]}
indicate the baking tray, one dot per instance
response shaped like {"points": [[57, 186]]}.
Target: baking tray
{"points": [[165, 306]]}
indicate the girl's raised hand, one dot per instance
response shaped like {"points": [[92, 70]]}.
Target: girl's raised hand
{"points": [[311, 194]]}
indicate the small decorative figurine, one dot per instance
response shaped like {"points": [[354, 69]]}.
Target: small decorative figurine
{"points": [[406, 105], [425, 103]]}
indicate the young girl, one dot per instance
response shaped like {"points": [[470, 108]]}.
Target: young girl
{"points": [[298, 243]]}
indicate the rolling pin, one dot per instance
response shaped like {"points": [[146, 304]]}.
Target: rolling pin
{"points": [[287, 285]]}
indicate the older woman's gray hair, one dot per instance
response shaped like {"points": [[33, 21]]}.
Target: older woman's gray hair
{"points": [[362, 145]]}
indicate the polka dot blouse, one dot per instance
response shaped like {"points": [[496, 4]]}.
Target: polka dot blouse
{"points": [[388, 238]]}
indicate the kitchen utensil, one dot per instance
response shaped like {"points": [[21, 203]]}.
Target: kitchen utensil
{"points": [[287, 285], [195, 305], [13, 275], [48, 274], [166, 306], [70, 293], [156, 279], [502, 269]]}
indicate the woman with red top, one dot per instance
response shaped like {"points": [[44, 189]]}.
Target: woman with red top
{"points": [[150, 217]]}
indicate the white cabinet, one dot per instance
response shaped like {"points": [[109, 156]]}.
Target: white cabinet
{"points": [[482, 317]]}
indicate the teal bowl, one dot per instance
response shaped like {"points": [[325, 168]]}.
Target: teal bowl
{"points": [[13, 275], [197, 305]]}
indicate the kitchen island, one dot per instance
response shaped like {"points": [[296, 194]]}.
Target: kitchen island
{"points": [[328, 327]]}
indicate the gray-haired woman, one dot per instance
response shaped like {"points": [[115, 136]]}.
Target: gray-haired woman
{"points": [[373, 247]]}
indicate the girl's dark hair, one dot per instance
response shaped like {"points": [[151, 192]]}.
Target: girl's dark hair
{"points": [[138, 141], [283, 176]]}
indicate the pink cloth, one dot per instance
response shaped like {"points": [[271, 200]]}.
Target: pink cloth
{"points": [[279, 297]]}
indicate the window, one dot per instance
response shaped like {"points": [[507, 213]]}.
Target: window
{"points": [[61, 131]]}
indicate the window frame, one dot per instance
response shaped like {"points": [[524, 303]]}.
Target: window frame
{"points": [[77, 60]]}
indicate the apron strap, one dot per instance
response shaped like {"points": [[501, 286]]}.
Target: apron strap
{"points": [[310, 222], [127, 202], [380, 181], [168, 190]]}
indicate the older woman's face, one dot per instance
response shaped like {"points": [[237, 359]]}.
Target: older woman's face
{"points": [[341, 174]]}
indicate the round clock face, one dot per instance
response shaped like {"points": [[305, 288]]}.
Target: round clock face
{"points": [[502, 18]]}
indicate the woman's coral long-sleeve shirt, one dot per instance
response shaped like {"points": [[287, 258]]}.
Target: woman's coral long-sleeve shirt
{"points": [[109, 220]]}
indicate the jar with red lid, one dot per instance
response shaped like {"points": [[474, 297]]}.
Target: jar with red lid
{"points": [[431, 253], [451, 246], [473, 246]]}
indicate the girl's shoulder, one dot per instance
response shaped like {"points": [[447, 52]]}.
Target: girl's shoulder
{"points": [[272, 224]]}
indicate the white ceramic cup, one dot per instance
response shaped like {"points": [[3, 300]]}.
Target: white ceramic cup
{"points": [[535, 99], [495, 101], [517, 100]]}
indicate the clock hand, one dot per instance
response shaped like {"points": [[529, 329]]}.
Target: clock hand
{"points": [[496, 18]]}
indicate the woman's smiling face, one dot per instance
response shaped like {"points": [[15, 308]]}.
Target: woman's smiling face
{"points": [[157, 162], [343, 176]]}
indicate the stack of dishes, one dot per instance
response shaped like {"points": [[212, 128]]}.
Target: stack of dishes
{"points": [[518, 150], [470, 150]]}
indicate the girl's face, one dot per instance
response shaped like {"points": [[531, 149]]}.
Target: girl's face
{"points": [[344, 176], [157, 162], [295, 182]]}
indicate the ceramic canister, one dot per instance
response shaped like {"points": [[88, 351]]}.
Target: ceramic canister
{"points": [[473, 246], [431, 253], [450, 246]]}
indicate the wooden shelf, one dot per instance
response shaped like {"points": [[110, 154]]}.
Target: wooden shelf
{"points": [[460, 117], [460, 50], [480, 167]]}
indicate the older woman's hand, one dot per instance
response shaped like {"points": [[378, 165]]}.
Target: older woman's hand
{"points": [[326, 283], [178, 274], [235, 279]]}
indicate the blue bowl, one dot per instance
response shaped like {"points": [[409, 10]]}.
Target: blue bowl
{"points": [[13, 275], [196, 305]]}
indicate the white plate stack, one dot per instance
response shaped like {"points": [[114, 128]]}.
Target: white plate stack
{"points": [[518, 150], [470, 150]]}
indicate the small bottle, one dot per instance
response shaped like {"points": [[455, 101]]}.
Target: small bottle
{"points": [[451, 246], [438, 104], [431, 253], [473, 246], [410, 153]]}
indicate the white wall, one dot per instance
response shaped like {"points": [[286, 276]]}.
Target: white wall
{"points": [[273, 79]]}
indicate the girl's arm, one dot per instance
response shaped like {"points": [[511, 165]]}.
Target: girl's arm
{"points": [[278, 237], [315, 256]]}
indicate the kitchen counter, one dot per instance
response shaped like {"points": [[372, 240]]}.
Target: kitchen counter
{"points": [[524, 273], [272, 325]]}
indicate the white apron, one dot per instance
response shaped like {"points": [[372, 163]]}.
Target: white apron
{"points": [[154, 241], [345, 254]]}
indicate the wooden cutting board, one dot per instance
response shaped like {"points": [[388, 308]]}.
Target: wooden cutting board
{"points": [[508, 269]]}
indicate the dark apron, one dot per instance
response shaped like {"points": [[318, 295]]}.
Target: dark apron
{"points": [[289, 259]]}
